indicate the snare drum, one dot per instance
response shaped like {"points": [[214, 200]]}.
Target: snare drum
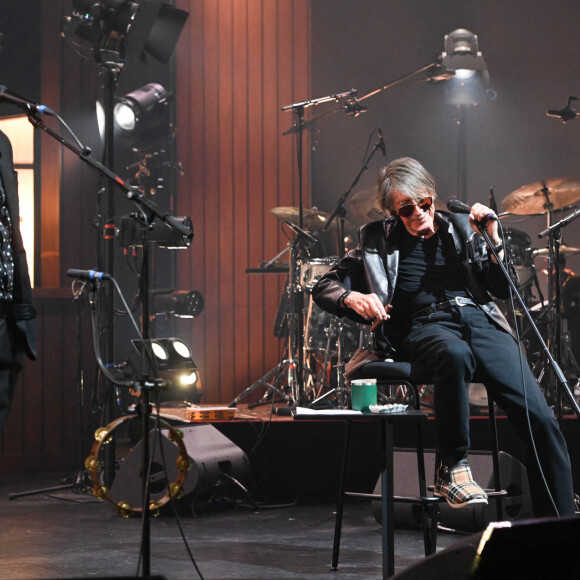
{"points": [[312, 271]]}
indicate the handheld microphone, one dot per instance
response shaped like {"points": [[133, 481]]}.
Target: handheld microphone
{"points": [[456, 206], [89, 275], [300, 232], [381, 142], [7, 96]]}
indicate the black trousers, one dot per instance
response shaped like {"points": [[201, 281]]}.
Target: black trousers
{"points": [[462, 345], [11, 362]]}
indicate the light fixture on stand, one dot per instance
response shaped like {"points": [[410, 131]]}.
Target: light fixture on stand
{"points": [[130, 231], [461, 53], [142, 117], [101, 30], [173, 365], [179, 303], [143, 111], [467, 88]]}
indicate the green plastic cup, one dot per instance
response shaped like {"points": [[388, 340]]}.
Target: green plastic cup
{"points": [[363, 392]]}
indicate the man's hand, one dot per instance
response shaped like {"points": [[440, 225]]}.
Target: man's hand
{"points": [[482, 214], [367, 305]]}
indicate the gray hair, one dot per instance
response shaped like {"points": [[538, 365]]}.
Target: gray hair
{"points": [[406, 176]]}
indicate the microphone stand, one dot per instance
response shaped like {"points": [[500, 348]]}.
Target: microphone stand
{"points": [[562, 381], [298, 109], [339, 212], [131, 193], [84, 154]]}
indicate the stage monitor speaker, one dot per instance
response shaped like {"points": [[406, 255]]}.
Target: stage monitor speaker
{"points": [[517, 505], [540, 549], [213, 455], [453, 563]]}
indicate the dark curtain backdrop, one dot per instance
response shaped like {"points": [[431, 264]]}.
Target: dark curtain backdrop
{"points": [[530, 48]]}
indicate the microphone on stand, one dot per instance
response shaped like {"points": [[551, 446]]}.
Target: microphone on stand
{"points": [[456, 206], [301, 233], [7, 96], [89, 275], [566, 114], [381, 142], [352, 106]]}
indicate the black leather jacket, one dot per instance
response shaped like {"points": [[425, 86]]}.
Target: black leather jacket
{"points": [[373, 265]]}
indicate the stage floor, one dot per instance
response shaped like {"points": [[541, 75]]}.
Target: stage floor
{"points": [[285, 531], [71, 534]]}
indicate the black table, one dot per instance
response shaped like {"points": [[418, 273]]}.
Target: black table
{"points": [[387, 421]]}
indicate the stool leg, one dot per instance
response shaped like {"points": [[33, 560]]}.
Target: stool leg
{"points": [[340, 501], [495, 456], [430, 511], [387, 499]]}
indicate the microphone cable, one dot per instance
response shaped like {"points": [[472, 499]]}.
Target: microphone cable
{"points": [[507, 265]]}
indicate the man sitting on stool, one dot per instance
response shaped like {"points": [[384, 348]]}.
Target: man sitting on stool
{"points": [[433, 268]]}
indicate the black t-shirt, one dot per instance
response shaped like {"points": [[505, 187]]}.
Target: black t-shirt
{"points": [[428, 273]]}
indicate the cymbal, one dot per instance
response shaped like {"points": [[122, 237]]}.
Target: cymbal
{"points": [[565, 250], [363, 207], [312, 218], [532, 199]]}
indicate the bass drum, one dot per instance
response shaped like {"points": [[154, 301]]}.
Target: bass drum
{"points": [[321, 332], [519, 251]]}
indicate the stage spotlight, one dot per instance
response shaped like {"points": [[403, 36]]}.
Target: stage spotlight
{"points": [[179, 303], [470, 81], [130, 232], [172, 364], [126, 28], [104, 24], [142, 110], [170, 353], [461, 54]]}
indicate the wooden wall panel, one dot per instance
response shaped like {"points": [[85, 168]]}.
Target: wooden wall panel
{"points": [[236, 68], [237, 63]]}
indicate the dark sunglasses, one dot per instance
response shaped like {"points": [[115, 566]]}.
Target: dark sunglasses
{"points": [[408, 209]]}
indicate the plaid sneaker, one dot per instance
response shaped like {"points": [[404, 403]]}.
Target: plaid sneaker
{"points": [[456, 485]]}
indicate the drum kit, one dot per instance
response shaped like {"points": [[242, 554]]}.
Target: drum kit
{"points": [[318, 344], [557, 318]]}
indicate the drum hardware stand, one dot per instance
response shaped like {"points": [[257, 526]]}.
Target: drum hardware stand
{"points": [[563, 383], [289, 364], [340, 391], [317, 382], [554, 233]]}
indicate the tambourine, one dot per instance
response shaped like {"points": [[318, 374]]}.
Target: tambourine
{"points": [[103, 436]]}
